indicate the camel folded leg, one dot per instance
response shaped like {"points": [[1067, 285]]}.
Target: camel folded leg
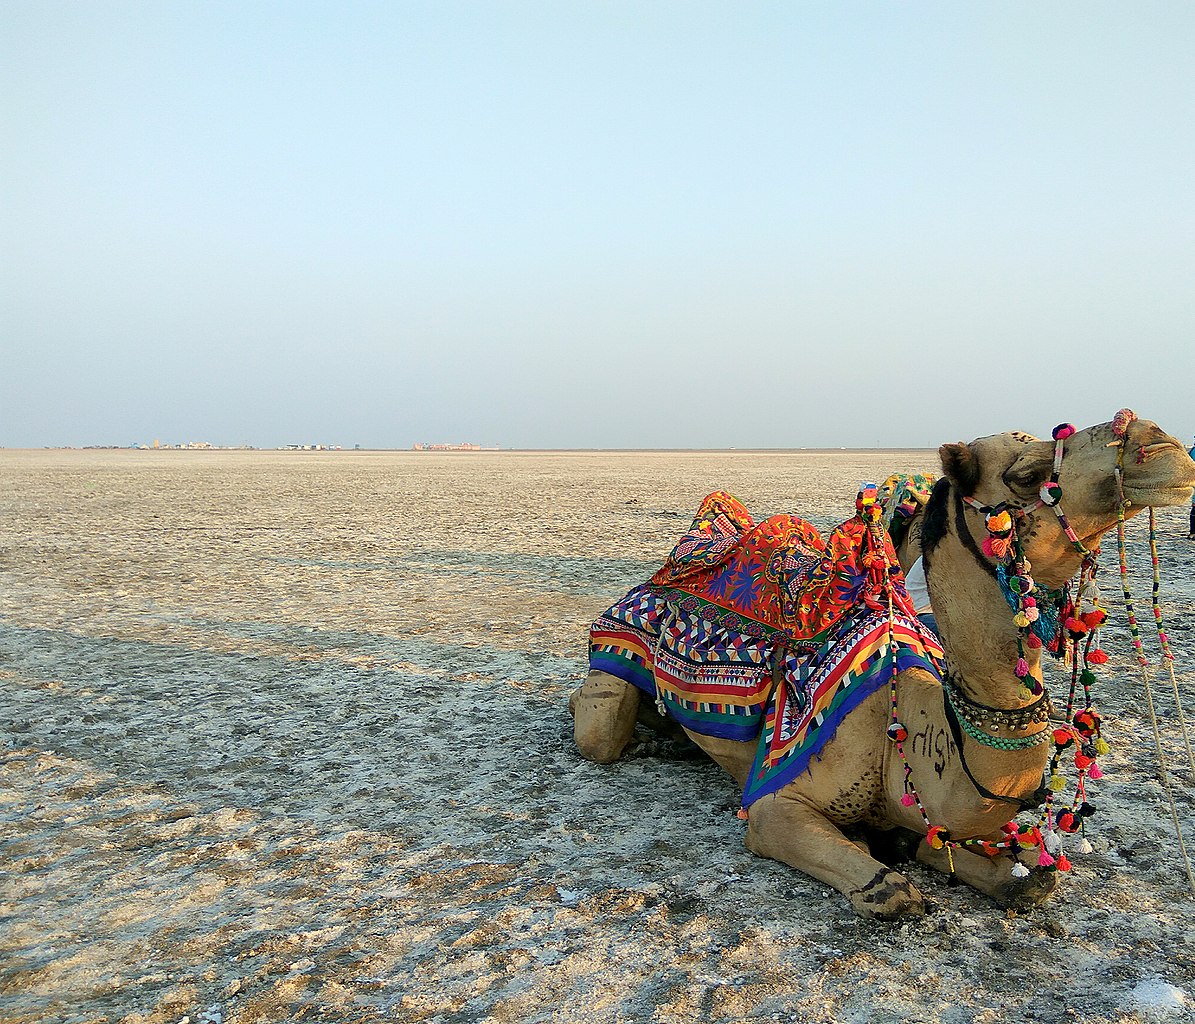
{"points": [[993, 876], [789, 830], [604, 710]]}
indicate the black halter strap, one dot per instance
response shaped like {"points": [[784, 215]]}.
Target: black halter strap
{"points": [[956, 730], [964, 534]]}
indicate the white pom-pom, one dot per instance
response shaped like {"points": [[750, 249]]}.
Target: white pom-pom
{"points": [[1053, 843], [1084, 846], [1019, 870]]}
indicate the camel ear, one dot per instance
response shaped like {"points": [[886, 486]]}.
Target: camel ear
{"points": [[960, 464]]}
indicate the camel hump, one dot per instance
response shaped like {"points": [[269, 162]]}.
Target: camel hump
{"points": [[723, 526]]}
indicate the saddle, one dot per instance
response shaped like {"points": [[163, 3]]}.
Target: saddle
{"points": [[765, 632]]}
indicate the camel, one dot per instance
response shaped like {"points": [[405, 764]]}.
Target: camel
{"points": [[855, 790]]}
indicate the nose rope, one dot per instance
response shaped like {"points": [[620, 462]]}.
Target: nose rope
{"points": [[1120, 428], [1163, 639]]}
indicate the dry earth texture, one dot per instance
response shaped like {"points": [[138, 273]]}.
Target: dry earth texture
{"points": [[284, 736]]}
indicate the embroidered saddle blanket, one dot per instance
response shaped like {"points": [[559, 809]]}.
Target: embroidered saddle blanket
{"points": [[763, 632]]}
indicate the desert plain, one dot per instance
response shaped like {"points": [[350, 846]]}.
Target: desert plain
{"points": [[284, 736]]}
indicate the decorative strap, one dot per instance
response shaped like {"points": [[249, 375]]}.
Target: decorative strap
{"points": [[979, 715], [1002, 743]]}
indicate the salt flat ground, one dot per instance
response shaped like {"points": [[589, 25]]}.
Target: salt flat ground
{"points": [[284, 736]]}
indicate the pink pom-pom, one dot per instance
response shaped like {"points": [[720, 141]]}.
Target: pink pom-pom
{"points": [[987, 547], [1095, 772], [1044, 860], [907, 800], [1022, 669], [1063, 431], [1121, 421]]}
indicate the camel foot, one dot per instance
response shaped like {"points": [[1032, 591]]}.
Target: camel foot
{"points": [[993, 878], [1019, 893], [888, 896], [789, 830]]}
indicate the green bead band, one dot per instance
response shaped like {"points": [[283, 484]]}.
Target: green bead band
{"points": [[1002, 743]]}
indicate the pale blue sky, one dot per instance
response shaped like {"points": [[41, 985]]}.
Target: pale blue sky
{"points": [[593, 224]]}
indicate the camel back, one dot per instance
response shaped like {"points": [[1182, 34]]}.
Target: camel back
{"points": [[763, 632]]}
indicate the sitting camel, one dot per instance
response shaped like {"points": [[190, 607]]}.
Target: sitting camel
{"points": [[950, 762]]}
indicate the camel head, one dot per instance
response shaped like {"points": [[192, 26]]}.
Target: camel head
{"points": [[1012, 468]]}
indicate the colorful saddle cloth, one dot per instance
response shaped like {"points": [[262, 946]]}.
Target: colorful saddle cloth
{"points": [[765, 632]]}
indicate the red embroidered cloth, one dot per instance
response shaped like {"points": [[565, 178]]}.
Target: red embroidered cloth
{"points": [[779, 576]]}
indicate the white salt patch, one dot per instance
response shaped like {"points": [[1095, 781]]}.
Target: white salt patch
{"points": [[1156, 994]]}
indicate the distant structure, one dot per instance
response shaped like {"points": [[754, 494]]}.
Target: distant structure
{"points": [[191, 446], [463, 447]]}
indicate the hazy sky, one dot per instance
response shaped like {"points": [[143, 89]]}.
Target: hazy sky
{"points": [[593, 224]]}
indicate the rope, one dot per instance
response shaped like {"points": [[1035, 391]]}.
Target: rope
{"points": [[1163, 639], [1143, 667]]}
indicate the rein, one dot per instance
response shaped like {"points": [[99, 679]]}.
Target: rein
{"points": [[956, 729]]}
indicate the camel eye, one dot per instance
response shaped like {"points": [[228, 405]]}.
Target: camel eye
{"points": [[1025, 477]]}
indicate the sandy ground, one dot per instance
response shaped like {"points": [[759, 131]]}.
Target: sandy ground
{"points": [[283, 736]]}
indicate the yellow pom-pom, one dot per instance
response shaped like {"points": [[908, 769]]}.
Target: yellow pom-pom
{"points": [[1101, 746], [1000, 522], [1021, 620], [1057, 783]]}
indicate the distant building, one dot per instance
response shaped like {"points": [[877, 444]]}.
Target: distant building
{"points": [[464, 446]]}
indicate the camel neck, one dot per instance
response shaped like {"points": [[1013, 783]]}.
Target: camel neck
{"points": [[975, 623]]}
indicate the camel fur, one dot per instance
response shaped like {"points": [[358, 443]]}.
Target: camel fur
{"points": [[815, 822]]}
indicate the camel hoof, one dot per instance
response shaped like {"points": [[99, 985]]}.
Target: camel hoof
{"points": [[1018, 893], [888, 896]]}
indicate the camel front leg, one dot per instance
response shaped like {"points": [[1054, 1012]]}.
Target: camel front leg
{"points": [[604, 709], [993, 876], [787, 829]]}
